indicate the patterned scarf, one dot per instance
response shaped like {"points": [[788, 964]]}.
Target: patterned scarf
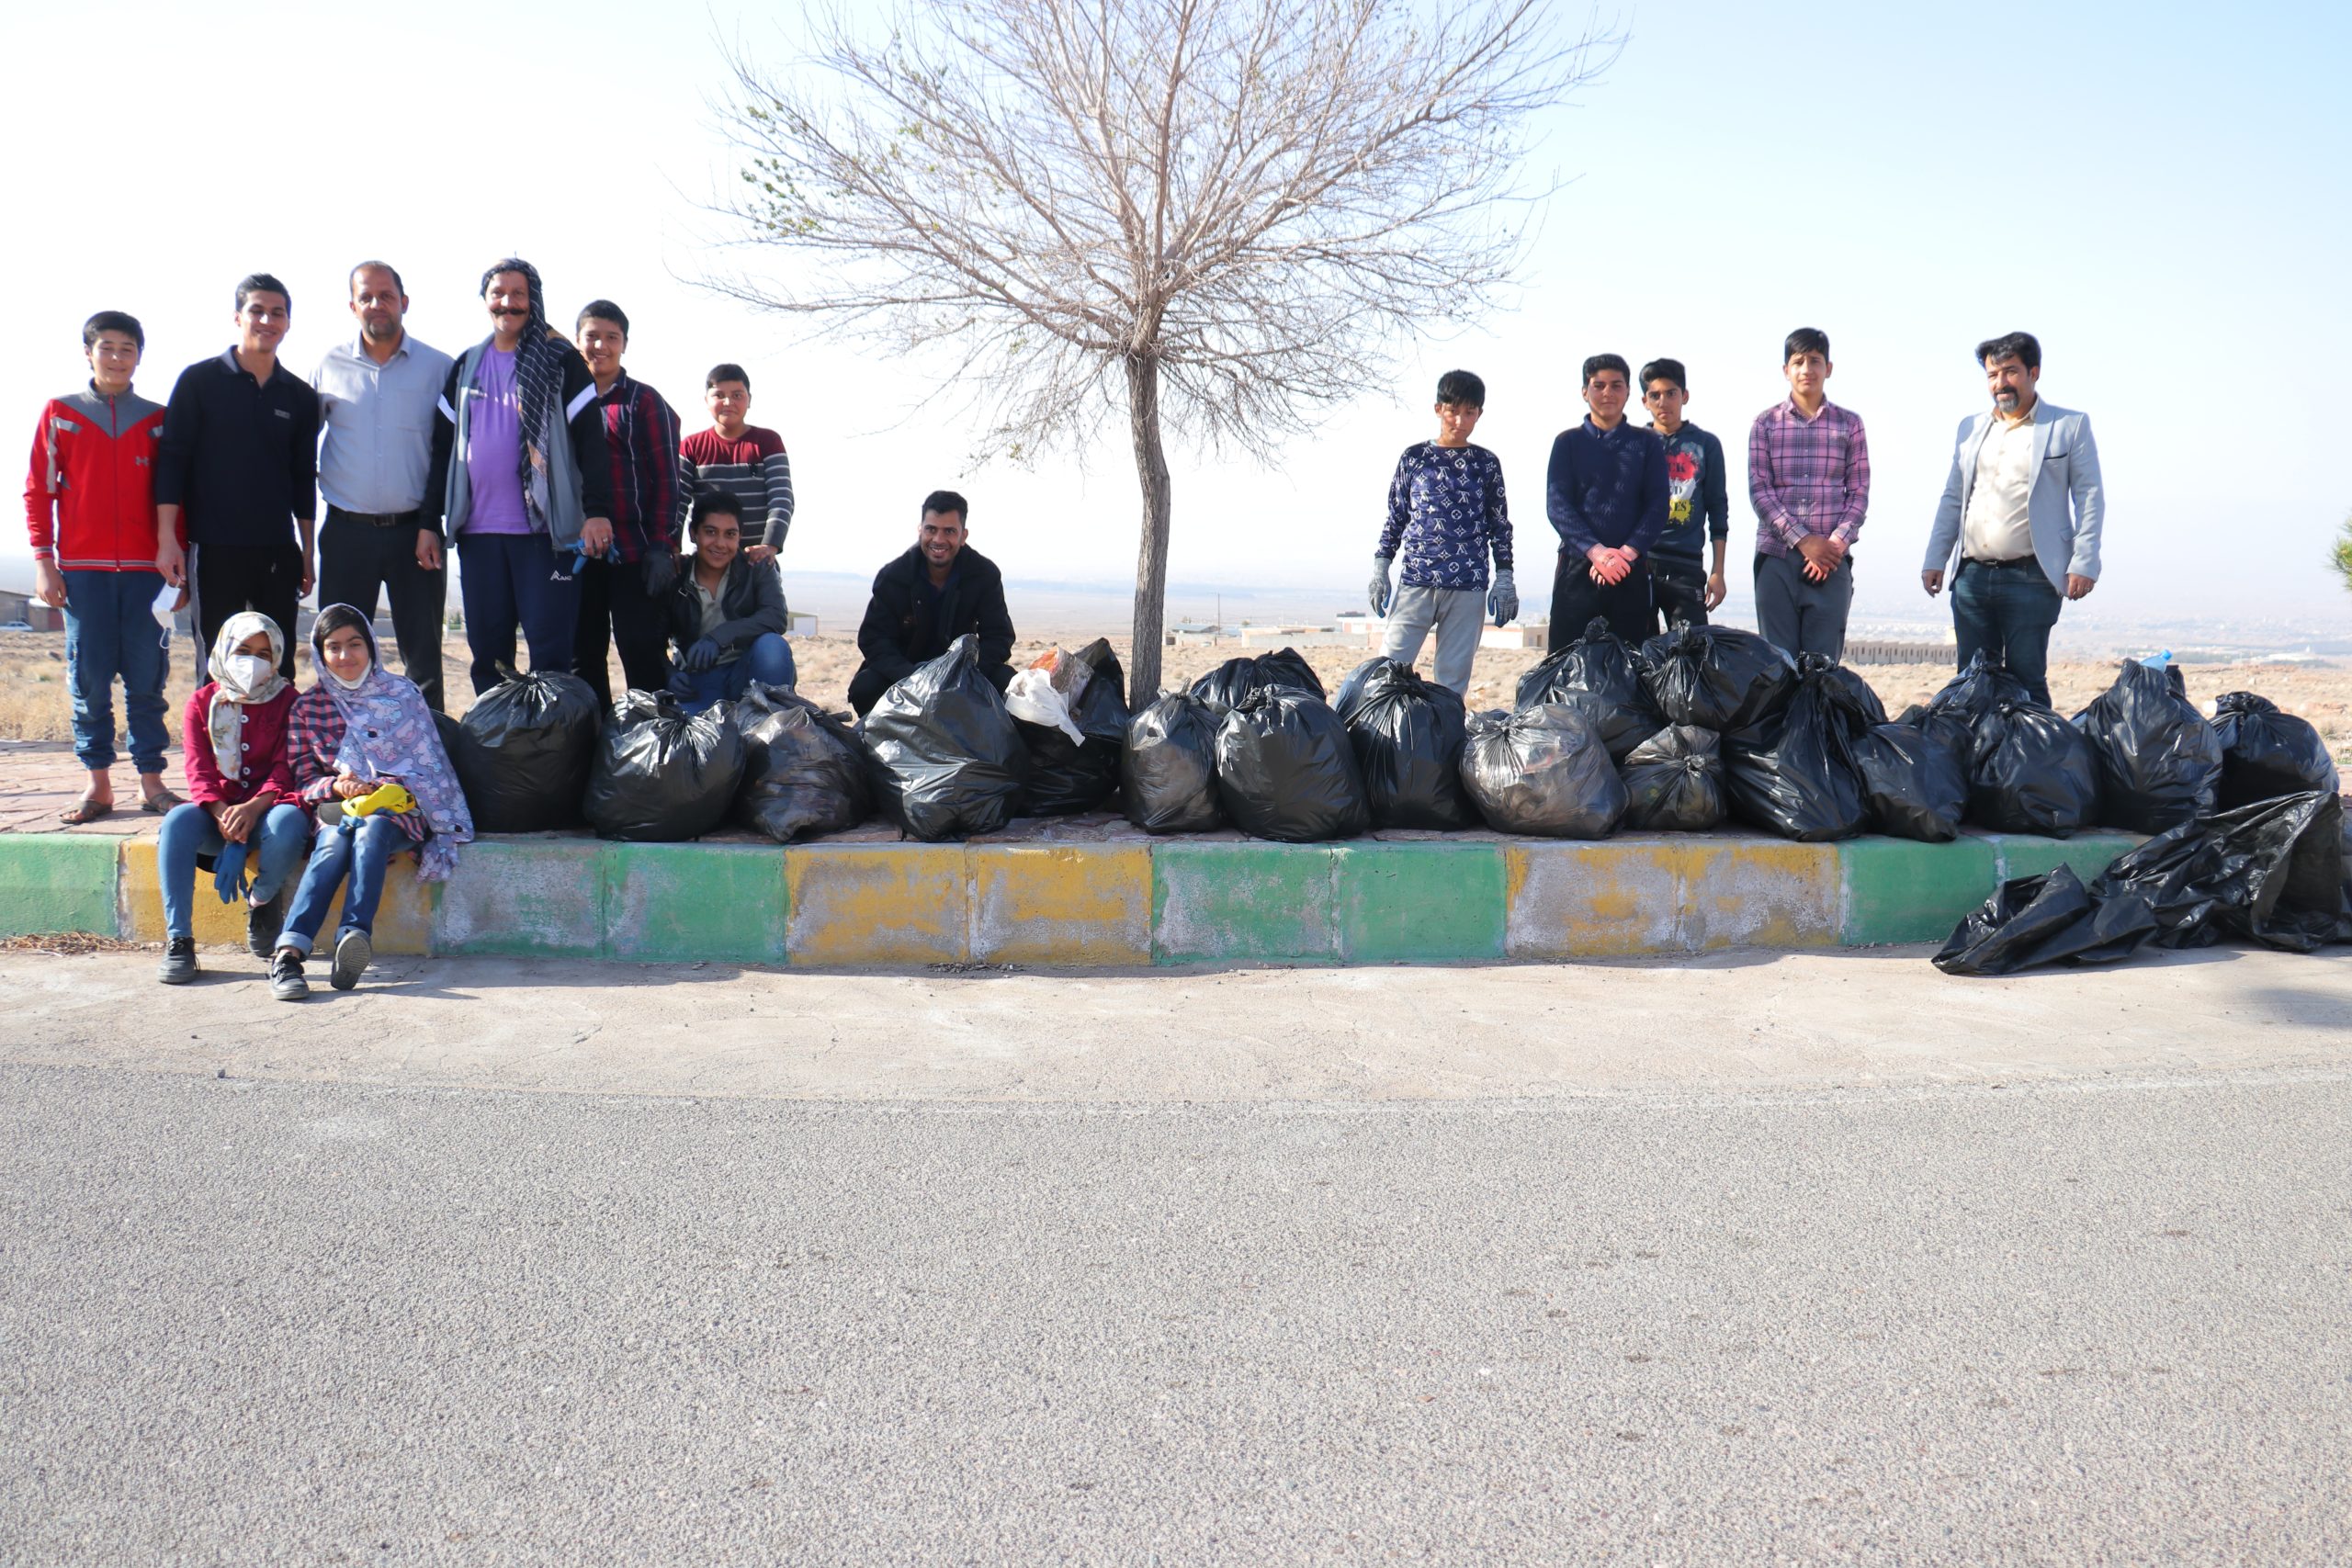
{"points": [[388, 733], [539, 355], [225, 718]]}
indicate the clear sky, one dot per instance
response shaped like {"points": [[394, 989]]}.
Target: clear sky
{"points": [[2160, 192]]}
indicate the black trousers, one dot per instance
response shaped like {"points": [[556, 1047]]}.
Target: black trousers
{"points": [[1577, 599], [614, 609], [1679, 588], [229, 578], [359, 559]]}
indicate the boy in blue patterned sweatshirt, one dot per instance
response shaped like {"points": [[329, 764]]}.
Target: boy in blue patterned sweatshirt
{"points": [[1446, 510]]}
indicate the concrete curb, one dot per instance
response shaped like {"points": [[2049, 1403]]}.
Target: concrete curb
{"points": [[1110, 902]]}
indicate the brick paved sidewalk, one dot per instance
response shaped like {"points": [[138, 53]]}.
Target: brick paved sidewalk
{"points": [[40, 779]]}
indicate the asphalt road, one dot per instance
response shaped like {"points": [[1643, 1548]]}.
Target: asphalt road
{"points": [[2093, 1316]]}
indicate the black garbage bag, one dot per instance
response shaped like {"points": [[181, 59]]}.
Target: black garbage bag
{"points": [[1674, 782], [1543, 771], [942, 752], [1718, 678], [2030, 772], [2272, 871], [1067, 776], [1914, 779], [662, 775], [1285, 770], [2050, 919], [1408, 735], [2267, 753], [1168, 767], [522, 751], [1793, 772], [1234, 682], [804, 772], [1977, 692], [2159, 762], [1600, 676]]}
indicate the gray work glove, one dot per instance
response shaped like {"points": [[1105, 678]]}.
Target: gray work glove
{"points": [[1502, 598], [1378, 591]]}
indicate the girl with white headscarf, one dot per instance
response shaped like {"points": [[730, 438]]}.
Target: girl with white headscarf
{"points": [[241, 812]]}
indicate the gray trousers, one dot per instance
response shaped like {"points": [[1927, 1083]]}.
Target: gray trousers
{"points": [[1797, 614], [1456, 613]]}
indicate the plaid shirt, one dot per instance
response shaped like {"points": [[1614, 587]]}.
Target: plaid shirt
{"points": [[651, 483], [1807, 476], [313, 735]]}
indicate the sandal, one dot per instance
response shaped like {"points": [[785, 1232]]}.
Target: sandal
{"points": [[161, 802], [86, 810]]}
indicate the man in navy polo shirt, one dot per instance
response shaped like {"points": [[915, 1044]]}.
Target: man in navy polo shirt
{"points": [[238, 464]]}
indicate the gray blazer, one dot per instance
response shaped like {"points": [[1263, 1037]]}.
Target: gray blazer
{"points": [[2065, 463]]}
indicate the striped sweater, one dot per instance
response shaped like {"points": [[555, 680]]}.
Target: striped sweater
{"points": [[754, 470]]}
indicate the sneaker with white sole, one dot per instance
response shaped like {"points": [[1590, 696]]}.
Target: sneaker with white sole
{"points": [[353, 954], [285, 981]]}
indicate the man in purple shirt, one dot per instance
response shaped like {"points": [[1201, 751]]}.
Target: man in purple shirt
{"points": [[1809, 475]]}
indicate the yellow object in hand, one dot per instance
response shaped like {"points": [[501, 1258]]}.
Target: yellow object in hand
{"points": [[392, 797]]}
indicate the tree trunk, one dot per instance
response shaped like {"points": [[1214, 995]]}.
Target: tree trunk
{"points": [[1151, 551]]}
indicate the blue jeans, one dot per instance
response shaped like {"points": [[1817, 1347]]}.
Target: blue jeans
{"points": [[110, 630], [189, 831], [2007, 610], [768, 660], [363, 853], [511, 580]]}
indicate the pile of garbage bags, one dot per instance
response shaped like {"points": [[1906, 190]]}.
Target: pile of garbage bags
{"points": [[2272, 871]]}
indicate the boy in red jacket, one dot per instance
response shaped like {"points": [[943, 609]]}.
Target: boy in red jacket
{"points": [[90, 508]]}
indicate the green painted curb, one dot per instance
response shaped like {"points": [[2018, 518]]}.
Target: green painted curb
{"points": [[1242, 901], [59, 882], [685, 903], [1901, 890], [1419, 903], [2089, 853]]}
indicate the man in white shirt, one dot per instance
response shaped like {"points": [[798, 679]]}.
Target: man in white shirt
{"points": [[377, 392], [2023, 509]]}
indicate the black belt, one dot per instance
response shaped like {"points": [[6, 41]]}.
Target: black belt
{"points": [[412, 519], [2013, 561]]}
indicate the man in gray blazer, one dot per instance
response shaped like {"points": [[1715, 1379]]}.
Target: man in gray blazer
{"points": [[2023, 508]]}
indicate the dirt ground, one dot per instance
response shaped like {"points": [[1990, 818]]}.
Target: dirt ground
{"points": [[34, 705]]}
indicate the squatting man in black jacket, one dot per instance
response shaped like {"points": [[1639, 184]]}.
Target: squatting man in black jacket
{"points": [[726, 611], [940, 590]]}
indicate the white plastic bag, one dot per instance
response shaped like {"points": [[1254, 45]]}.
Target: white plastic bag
{"points": [[1048, 692]]}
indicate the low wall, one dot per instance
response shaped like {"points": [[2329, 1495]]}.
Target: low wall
{"points": [[1107, 896]]}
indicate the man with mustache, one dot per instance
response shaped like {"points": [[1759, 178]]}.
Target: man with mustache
{"points": [[236, 473], [2023, 507], [377, 396], [519, 478]]}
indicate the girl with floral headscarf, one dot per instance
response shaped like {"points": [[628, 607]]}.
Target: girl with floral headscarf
{"points": [[240, 813], [360, 729]]}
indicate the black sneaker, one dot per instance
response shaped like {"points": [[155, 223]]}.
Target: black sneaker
{"points": [[286, 982], [263, 923], [178, 967], [353, 952]]}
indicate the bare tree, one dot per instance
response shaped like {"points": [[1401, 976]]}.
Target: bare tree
{"points": [[1227, 210]]}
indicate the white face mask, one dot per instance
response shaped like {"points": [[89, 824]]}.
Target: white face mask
{"points": [[350, 686], [248, 671]]}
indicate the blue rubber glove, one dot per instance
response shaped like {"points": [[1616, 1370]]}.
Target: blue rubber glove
{"points": [[229, 878], [1378, 591], [701, 656], [1502, 598]]}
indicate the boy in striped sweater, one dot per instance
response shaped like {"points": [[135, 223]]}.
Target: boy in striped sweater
{"points": [[743, 460]]}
